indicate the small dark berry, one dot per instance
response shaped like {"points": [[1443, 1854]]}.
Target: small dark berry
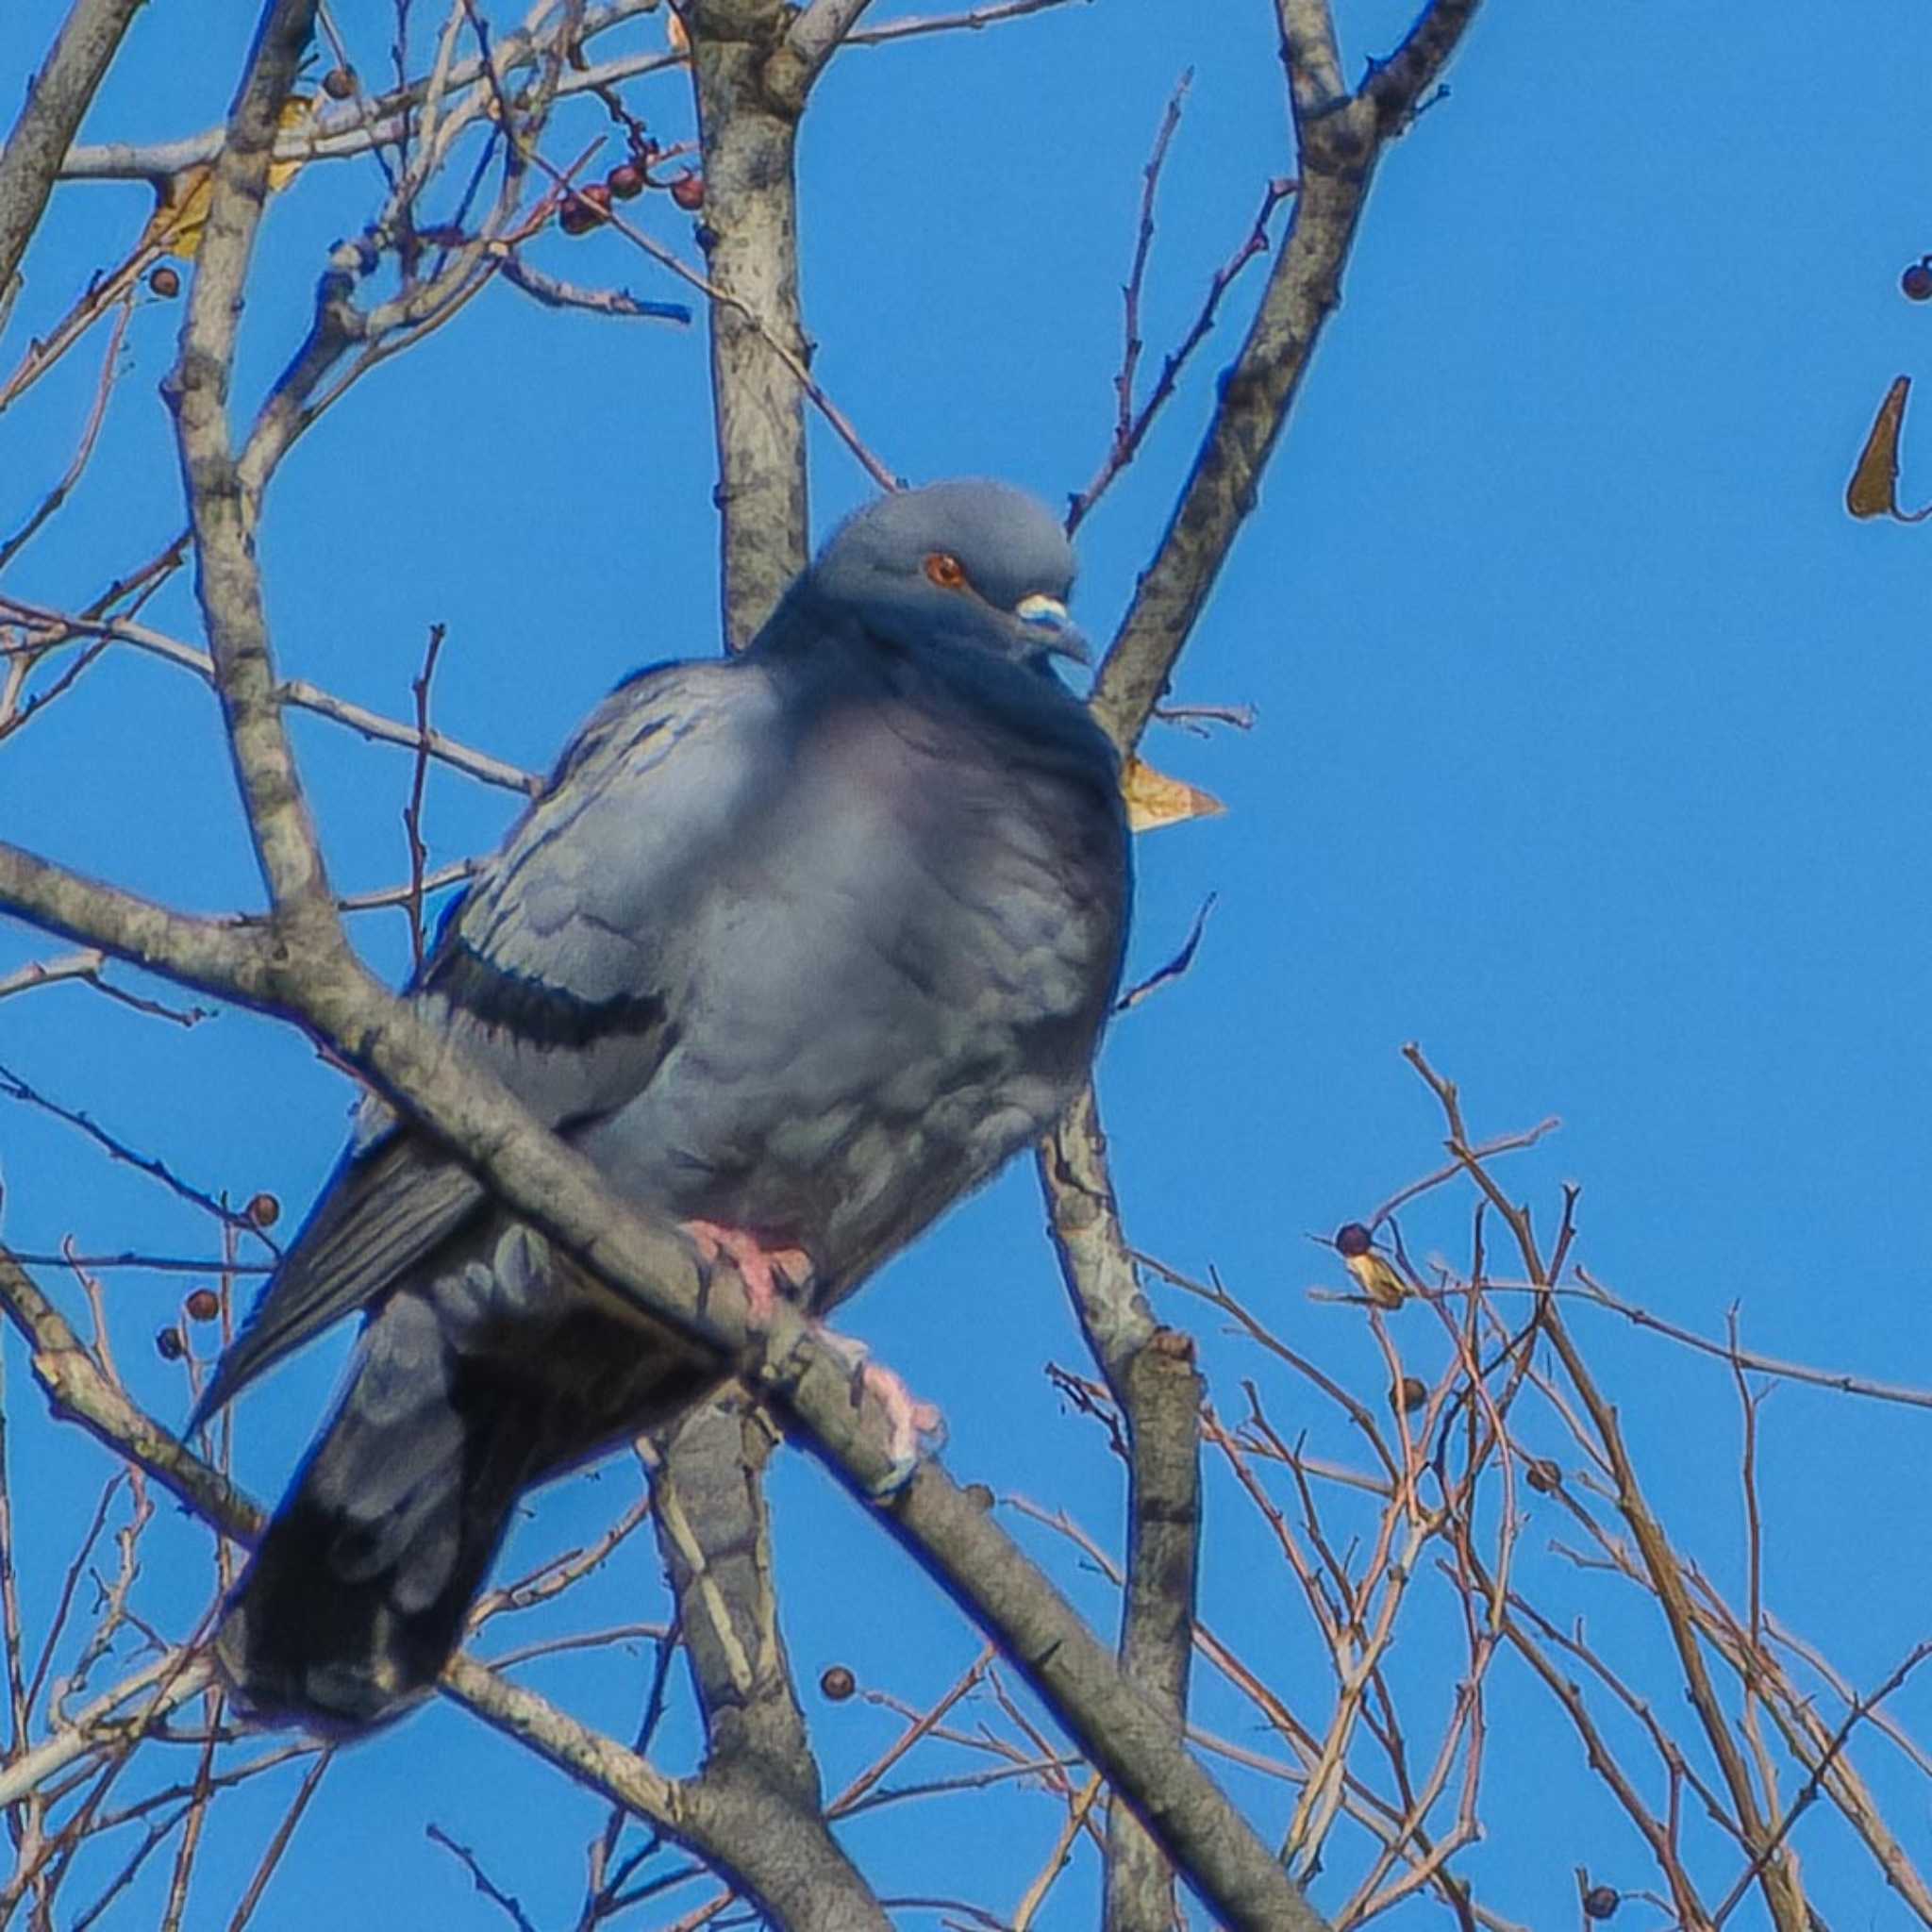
{"points": [[1601, 1902], [587, 207], [838, 1684], [264, 1211], [1351, 1238], [1544, 1475], [204, 1305], [339, 83], [165, 282], [688, 189], [1410, 1392], [1917, 282], [626, 181], [168, 1345]]}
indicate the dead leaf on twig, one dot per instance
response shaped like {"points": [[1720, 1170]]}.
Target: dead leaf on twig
{"points": [[1874, 488], [181, 212], [1154, 799]]}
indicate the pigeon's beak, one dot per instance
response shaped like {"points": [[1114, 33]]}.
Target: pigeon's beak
{"points": [[1045, 620]]}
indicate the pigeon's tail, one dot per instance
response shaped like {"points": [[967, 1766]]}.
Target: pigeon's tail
{"points": [[357, 1593]]}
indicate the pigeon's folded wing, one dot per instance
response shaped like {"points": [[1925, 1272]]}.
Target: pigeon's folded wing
{"points": [[559, 969]]}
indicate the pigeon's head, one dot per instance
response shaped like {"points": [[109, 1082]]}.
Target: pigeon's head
{"points": [[969, 563]]}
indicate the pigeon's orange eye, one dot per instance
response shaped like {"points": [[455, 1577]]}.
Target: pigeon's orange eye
{"points": [[946, 571]]}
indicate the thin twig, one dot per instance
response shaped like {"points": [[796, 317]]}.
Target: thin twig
{"points": [[1130, 429], [555, 293], [480, 1878], [412, 811], [13, 1087], [1175, 967], [90, 433]]}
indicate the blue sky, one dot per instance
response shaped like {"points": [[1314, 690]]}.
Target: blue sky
{"points": [[1590, 753]]}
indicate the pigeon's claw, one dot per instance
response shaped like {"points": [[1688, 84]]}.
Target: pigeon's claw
{"points": [[767, 1273], [915, 1427]]}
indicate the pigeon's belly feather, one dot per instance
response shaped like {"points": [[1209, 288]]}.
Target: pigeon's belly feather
{"points": [[900, 986]]}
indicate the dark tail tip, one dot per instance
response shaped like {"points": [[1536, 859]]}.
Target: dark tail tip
{"points": [[302, 1643]]}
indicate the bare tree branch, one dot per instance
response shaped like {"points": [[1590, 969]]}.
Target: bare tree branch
{"points": [[713, 1530], [197, 391], [909, 27], [814, 35], [1342, 139], [297, 691], [57, 99], [337, 132], [749, 131]]}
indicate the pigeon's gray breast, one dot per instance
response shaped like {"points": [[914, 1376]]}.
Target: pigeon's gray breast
{"points": [[895, 976]]}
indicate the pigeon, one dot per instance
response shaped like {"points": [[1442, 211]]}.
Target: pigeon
{"points": [[798, 947]]}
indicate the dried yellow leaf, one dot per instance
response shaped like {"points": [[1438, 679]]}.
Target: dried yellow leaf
{"points": [[294, 112], [675, 33], [181, 212], [1873, 488], [1154, 799]]}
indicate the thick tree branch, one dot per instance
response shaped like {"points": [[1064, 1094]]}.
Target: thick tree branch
{"points": [[815, 35], [57, 99], [1311, 59], [713, 1520], [1160, 1398], [1151, 1371], [230, 586], [759, 1777], [225, 960], [749, 131], [1129, 1739]]}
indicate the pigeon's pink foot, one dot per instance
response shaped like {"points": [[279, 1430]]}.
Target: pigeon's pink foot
{"points": [[915, 1428], [767, 1271]]}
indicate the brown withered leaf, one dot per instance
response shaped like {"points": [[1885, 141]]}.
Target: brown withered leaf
{"points": [[1873, 488], [1154, 799], [294, 111], [181, 212]]}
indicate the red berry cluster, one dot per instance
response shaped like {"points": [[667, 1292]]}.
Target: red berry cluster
{"points": [[584, 209]]}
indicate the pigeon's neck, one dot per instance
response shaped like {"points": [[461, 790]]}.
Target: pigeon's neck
{"points": [[798, 626], [828, 648]]}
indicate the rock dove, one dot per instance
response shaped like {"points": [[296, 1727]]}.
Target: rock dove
{"points": [[798, 947]]}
